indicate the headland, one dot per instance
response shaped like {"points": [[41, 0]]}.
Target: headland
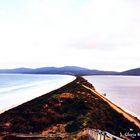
{"points": [[67, 112]]}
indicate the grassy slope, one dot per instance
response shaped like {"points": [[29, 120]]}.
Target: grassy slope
{"points": [[65, 110]]}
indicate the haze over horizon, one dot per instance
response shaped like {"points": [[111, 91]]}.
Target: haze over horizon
{"points": [[94, 34]]}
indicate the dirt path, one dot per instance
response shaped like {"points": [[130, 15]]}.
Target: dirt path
{"points": [[115, 107]]}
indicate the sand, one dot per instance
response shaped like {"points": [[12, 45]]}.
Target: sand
{"points": [[115, 107]]}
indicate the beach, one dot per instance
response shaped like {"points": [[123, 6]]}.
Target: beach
{"points": [[118, 109], [66, 111], [16, 89], [121, 90], [41, 89]]}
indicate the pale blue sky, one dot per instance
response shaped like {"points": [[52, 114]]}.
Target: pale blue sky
{"points": [[97, 34]]}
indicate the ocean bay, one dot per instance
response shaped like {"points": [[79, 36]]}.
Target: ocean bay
{"points": [[124, 91], [16, 89]]}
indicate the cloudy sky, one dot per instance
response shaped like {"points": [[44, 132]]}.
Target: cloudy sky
{"points": [[96, 34]]}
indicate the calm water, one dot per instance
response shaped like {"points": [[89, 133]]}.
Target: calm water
{"points": [[19, 88], [122, 90]]}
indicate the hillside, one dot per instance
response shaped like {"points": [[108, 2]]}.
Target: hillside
{"points": [[135, 72], [67, 70], [67, 110]]}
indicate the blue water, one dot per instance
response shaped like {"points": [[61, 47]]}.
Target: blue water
{"points": [[122, 90], [16, 89]]}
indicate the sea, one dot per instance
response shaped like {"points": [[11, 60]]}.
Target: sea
{"points": [[16, 89], [124, 91]]}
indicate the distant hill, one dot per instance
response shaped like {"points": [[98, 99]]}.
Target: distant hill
{"points": [[135, 72], [68, 70], [17, 70]]}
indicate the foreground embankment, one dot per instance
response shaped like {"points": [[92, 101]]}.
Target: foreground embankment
{"points": [[67, 110]]}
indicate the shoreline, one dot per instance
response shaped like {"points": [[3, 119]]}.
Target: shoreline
{"points": [[122, 91], [31, 94], [126, 114], [119, 106], [70, 108]]}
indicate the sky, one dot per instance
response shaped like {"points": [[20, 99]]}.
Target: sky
{"points": [[95, 34]]}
